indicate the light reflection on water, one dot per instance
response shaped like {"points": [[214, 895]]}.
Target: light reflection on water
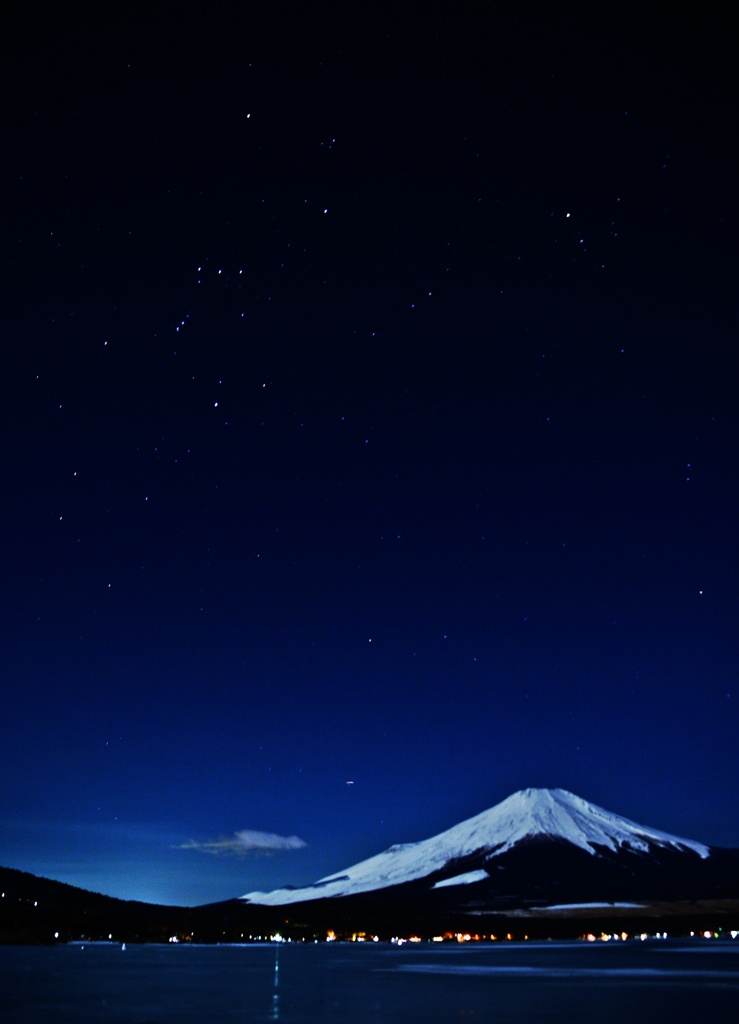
{"points": [[275, 1014]]}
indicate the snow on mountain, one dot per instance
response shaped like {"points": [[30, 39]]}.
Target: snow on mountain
{"points": [[464, 879], [529, 813]]}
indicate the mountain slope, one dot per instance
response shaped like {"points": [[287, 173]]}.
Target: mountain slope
{"points": [[468, 854]]}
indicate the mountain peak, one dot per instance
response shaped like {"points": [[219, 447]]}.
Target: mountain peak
{"points": [[559, 814], [554, 814]]}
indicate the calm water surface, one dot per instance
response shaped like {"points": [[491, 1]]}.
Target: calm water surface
{"points": [[358, 984]]}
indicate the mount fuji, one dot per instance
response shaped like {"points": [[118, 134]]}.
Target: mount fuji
{"points": [[542, 863], [537, 847]]}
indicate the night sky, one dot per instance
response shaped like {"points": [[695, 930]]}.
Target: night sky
{"points": [[370, 432]]}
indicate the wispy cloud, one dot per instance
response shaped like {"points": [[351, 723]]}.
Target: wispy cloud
{"points": [[245, 842]]}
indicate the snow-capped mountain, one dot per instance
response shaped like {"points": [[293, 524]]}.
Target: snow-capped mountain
{"points": [[554, 826], [538, 863]]}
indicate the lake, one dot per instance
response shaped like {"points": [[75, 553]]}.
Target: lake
{"points": [[365, 982]]}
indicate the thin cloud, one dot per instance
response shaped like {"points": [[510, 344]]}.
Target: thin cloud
{"points": [[244, 843]]}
